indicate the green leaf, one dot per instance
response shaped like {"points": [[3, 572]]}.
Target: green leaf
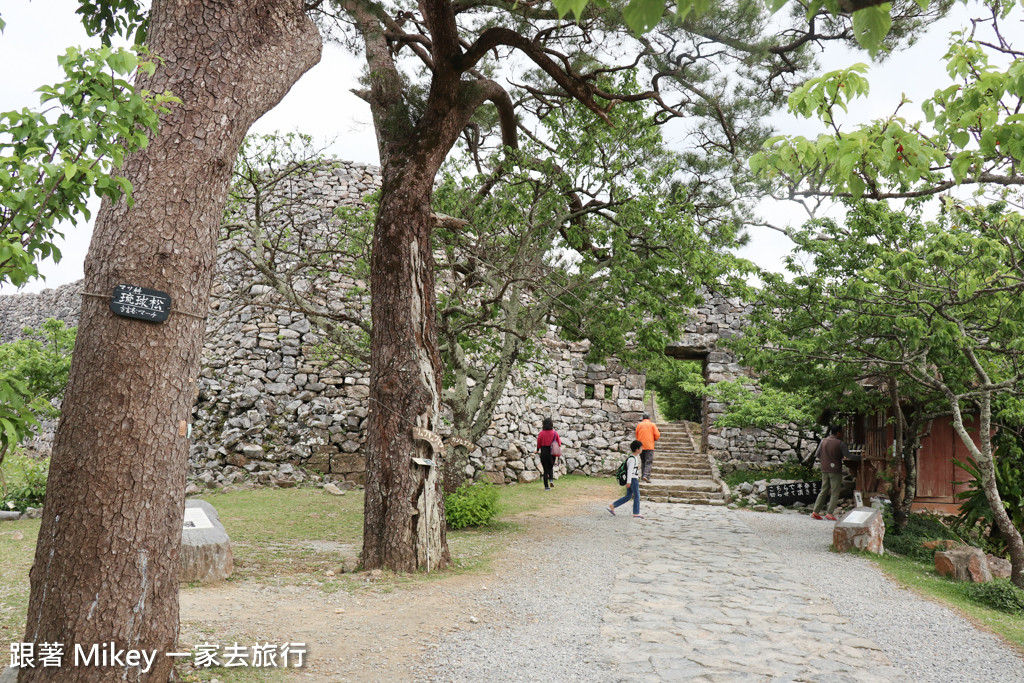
{"points": [[564, 7], [960, 138], [871, 25], [857, 186], [643, 15]]}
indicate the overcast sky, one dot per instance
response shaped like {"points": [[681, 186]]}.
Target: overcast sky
{"points": [[321, 105]]}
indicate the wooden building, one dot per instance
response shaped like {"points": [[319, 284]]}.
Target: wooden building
{"points": [[938, 477]]}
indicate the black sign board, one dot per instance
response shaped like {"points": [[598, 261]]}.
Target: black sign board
{"points": [[797, 492], [140, 303]]}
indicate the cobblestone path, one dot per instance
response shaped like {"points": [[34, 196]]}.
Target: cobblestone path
{"points": [[699, 597]]}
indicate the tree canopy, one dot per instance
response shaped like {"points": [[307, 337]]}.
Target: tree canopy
{"points": [[971, 132], [931, 310]]}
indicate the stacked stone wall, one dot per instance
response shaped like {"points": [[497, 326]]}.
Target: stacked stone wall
{"points": [[721, 318], [271, 408]]}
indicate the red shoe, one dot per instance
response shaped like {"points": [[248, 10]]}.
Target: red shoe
{"points": [[831, 518], [815, 515]]}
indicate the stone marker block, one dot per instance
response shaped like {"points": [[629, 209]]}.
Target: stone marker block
{"points": [[9, 675], [205, 547], [963, 564], [861, 528], [9, 515]]}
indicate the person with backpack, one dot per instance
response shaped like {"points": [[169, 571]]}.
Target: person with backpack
{"points": [[632, 480], [546, 443]]}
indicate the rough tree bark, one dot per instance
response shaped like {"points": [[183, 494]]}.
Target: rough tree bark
{"points": [[407, 531], [106, 567], [404, 522]]}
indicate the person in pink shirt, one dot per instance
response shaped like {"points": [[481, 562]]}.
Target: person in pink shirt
{"points": [[548, 436]]}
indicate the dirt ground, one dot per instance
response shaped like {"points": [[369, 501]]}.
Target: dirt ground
{"points": [[362, 636]]}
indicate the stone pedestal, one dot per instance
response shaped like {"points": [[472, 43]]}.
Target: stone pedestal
{"points": [[862, 528], [205, 547], [963, 564]]}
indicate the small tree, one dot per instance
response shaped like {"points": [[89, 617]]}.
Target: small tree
{"points": [[788, 416], [931, 309], [599, 253], [955, 330]]}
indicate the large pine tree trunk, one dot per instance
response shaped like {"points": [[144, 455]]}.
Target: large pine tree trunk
{"points": [[106, 566], [404, 523]]}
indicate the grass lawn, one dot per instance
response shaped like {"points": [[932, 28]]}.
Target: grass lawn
{"points": [[301, 537], [17, 550]]}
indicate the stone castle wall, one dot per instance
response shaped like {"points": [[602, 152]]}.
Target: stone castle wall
{"points": [[269, 404], [717, 319]]}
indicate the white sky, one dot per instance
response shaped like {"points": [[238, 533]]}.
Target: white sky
{"points": [[321, 105]]}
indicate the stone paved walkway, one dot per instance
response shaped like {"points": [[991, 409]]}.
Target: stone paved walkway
{"points": [[700, 598]]}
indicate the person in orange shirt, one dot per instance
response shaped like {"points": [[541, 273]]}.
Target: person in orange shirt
{"points": [[647, 433]]}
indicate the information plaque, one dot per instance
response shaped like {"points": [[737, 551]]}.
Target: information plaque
{"points": [[140, 303], [796, 492]]}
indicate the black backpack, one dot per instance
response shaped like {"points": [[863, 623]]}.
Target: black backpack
{"points": [[620, 474]]}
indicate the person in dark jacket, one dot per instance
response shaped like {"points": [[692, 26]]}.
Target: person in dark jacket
{"points": [[831, 452], [547, 436]]}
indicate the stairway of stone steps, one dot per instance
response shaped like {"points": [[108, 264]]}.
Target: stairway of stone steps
{"points": [[680, 473]]}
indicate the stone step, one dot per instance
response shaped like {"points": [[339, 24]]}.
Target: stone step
{"points": [[681, 461], [699, 463], [681, 473], [695, 498], [678, 486]]}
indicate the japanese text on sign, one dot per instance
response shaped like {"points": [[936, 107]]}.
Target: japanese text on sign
{"points": [[142, 304], [794, 492]]}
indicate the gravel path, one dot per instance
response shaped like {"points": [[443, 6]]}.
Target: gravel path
{"points": [[930, 642], [540, 621]]}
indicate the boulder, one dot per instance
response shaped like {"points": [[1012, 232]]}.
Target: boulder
{"points": [[526, 476], [205, 546], [9, 515], [862, 528], [333, 490], [945, 544], [1000, 568], [963, 564]]}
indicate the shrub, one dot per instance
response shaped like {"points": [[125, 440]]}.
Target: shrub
{"points": [[974, 508], [999, 594], [920, 528], [25, 480], [471, 505]]}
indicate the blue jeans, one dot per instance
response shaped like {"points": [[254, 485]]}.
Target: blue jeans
{"points": [[632, 491]]}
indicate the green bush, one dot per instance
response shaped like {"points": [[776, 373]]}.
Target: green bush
{"points": [[920, 528], [25, 480], [471, 505], [975, 513], [999, 594]]}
